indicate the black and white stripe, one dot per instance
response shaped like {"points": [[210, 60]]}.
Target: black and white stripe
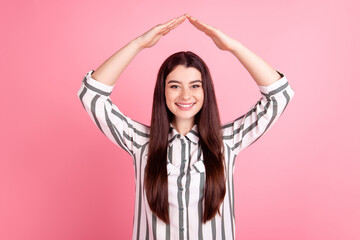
{"points": [[186, 169]]}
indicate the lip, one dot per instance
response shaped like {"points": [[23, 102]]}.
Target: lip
{"points": [[185, 106]]}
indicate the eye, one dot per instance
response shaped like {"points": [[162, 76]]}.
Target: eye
{"points": [[196, 86], [174, 86]]}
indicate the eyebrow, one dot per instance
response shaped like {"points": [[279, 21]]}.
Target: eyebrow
{"points": [[175, 81]]}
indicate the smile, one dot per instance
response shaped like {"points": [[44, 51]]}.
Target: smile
{"points": [[185, 106]]}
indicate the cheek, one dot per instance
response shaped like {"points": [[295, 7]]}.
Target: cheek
{"points": [[168, 98], [201, 97]]}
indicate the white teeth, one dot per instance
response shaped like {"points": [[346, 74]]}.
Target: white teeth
{"points": [[186, 105]]}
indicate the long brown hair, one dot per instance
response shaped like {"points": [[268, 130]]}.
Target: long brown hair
{"points": [[210, 140]]}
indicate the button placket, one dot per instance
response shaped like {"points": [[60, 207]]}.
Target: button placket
{"points": [[181, 186]]}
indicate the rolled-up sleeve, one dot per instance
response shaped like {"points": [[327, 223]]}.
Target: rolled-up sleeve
{"points": [[120, 129], [245, 130]]}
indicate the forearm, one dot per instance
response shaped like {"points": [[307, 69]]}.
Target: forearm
{"points": [[109, 72], [261, 72]]}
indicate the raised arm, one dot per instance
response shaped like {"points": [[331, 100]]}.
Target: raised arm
{"points": [[262, 73], [273, 85], [97, 86], [111, 69]]}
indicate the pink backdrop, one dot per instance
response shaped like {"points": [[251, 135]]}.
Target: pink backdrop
{"points": [[60, 178]]}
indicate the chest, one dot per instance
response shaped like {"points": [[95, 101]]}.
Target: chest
{"points": [[186, 174]]}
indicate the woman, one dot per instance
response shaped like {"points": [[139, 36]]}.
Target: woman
{"points": [[184, 161]]}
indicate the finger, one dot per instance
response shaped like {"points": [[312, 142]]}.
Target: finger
{"points": [[174, 23], [172, 26], [173, 20], [177, 23], [198, 26], [197, 22], [164, 25], [161, 26], [166, 32], [163, 29], [207, 29]]}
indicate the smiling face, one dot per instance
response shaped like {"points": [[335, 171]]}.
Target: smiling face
{"points": [[184, 93]]}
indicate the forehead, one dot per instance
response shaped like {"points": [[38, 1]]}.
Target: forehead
{"points": [[182, 73]]}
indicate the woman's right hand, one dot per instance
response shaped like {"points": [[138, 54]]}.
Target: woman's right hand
{"points": [[151, 37]]}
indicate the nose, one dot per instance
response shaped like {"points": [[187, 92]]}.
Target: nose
{"points": [[185, 94]]}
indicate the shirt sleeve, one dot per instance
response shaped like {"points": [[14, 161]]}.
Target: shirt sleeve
{"points": [[120, 129], [245, 130]]}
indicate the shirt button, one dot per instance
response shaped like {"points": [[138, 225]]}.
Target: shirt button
{"points": [[181, 208], [182, 229], [181, 188]]}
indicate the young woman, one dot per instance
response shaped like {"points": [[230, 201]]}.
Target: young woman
{"points": [[184, 161]]}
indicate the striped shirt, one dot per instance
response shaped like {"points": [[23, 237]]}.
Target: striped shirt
{"points": [[185, 166]]}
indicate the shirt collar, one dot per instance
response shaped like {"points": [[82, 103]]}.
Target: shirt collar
{"points": [[192, 135]]}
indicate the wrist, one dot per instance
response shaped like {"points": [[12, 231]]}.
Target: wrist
{"points": [[137, 44], [234, 47]]}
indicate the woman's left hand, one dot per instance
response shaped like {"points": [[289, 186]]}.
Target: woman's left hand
{"points": [[222, 41]]}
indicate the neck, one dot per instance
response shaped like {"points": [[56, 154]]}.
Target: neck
{"points": [[183, 126]]}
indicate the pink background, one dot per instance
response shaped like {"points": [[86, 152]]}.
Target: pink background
{"points": [[60, 178]]}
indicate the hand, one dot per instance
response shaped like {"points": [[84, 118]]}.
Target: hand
{"points": [[151, 37], [222, 41]]}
